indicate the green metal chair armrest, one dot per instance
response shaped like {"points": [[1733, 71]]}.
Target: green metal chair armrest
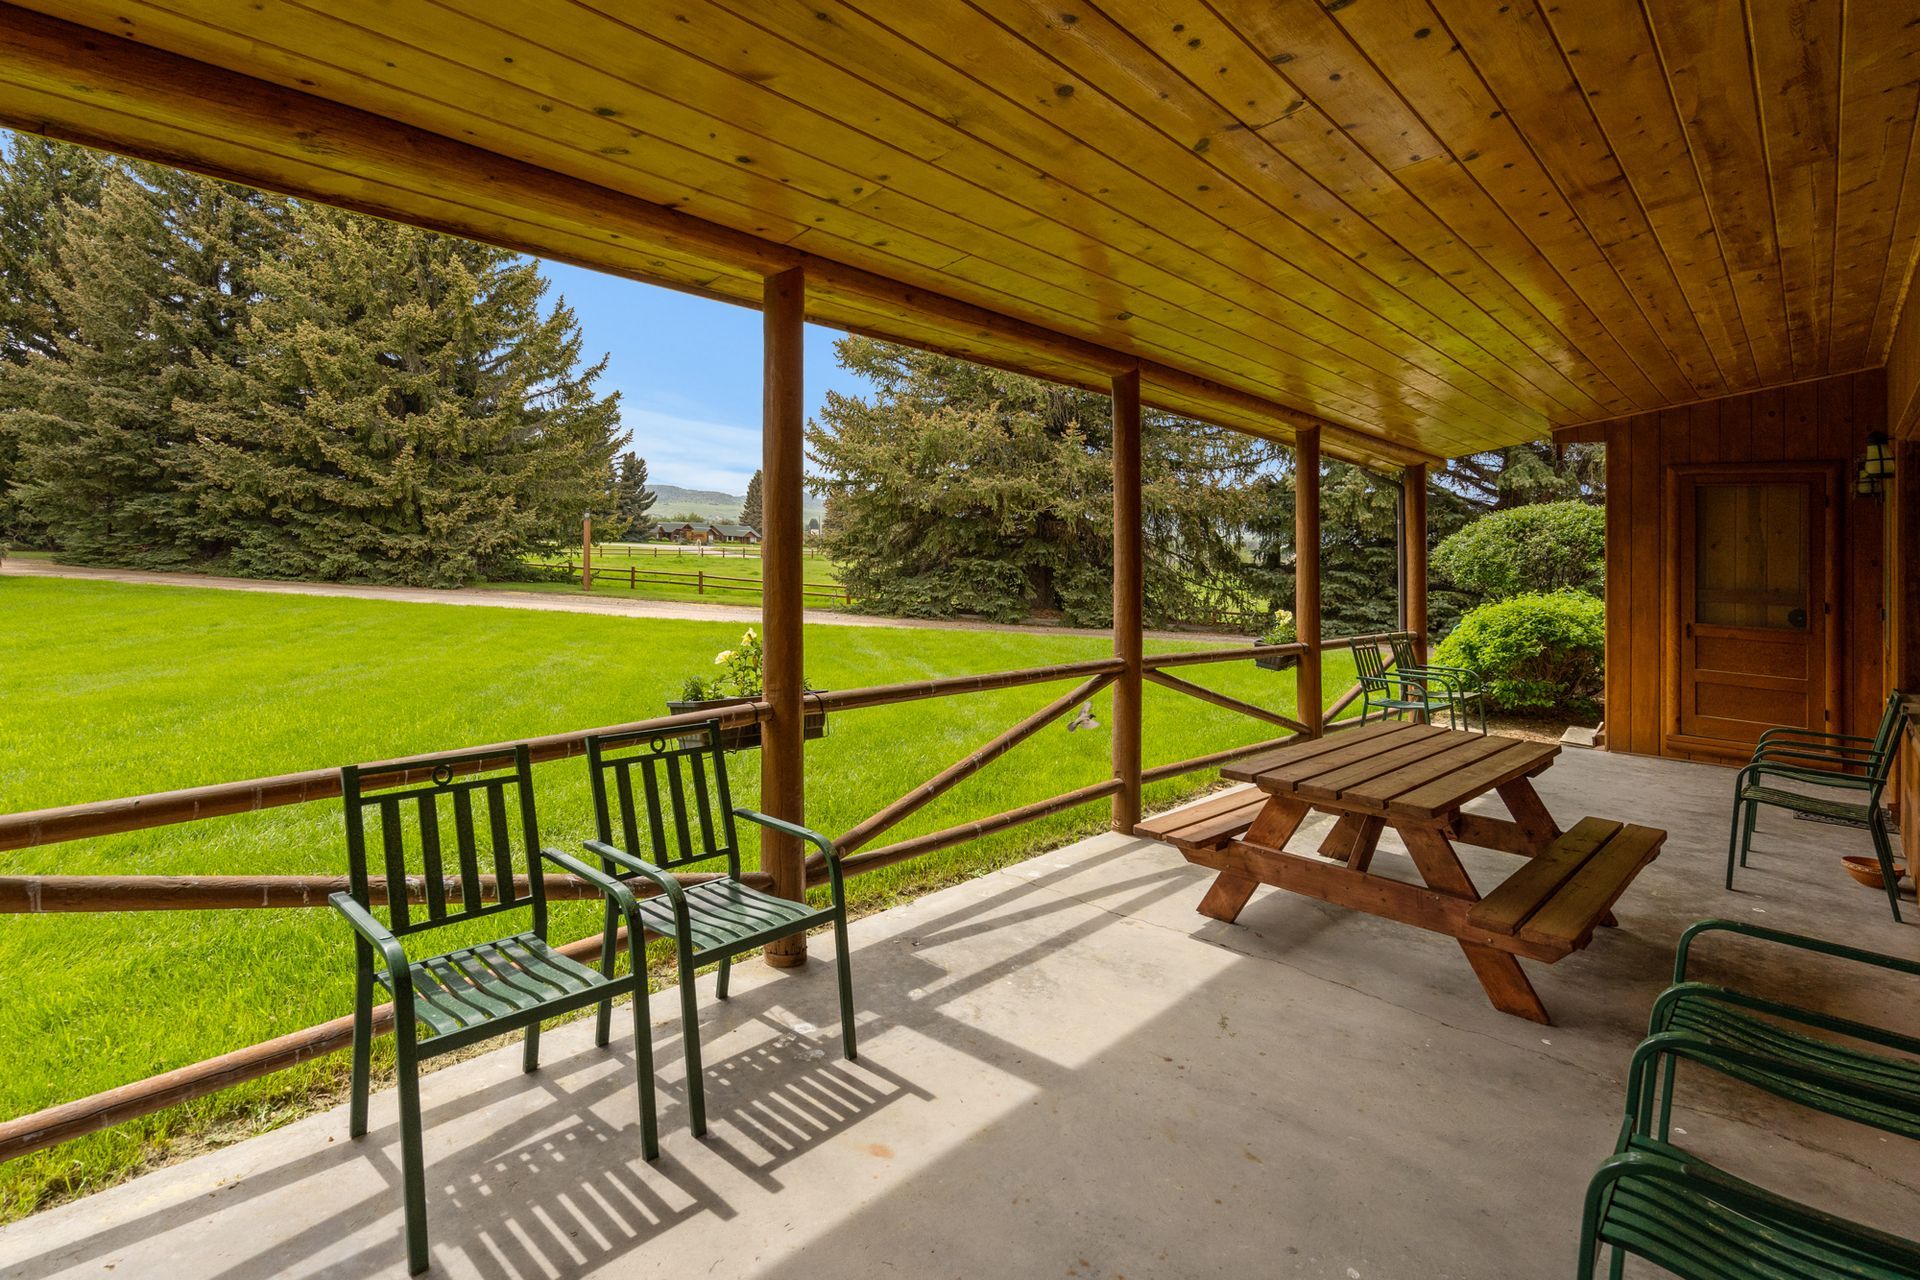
{"points": [[1468, 678], [622, 896], [1819, 777], [377, 935], [667, 882], [1728, 1060], [1669, 1000], [1858, 757], [798, 832], [1821, 734], [1798, 941]]}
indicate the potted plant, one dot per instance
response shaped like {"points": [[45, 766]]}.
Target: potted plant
{"points": [[737, 681], [1279, 630]]}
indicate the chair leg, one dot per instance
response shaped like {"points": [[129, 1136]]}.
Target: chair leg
{"points": [[845, 974], [362, 1045], [1746, 834], [643, 1068], [1883, 850], [603, 1020], [1733, 838], [690, 1035], [726, 972], [530, 1056], [412, 1159]]}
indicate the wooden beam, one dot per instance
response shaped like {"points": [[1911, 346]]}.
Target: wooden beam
{"points": [[1903, 614], [1129, 598], [783, 431], [63, 80], [1413, 496], [1306, 577]]}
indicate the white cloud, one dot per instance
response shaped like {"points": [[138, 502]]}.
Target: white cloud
{"points": [[694, 453]]}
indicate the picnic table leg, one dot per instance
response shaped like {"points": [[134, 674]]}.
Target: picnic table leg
{"points": [[1501, 976], [1529, 814], [1272, 829], [1338, 843]]}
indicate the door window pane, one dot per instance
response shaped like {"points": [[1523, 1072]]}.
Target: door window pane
{"points": [[1750, 561]]}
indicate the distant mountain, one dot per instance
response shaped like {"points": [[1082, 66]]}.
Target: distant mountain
{"points": [[710, 504]]}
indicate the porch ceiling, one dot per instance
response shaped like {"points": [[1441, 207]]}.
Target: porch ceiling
{"points": [[1453, 223]]}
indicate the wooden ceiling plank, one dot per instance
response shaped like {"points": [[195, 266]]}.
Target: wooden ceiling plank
{"points": [[1704, 46], [1796, 63], [66, 82], [1441, 83], [847, 234], [1151, 174], [1618, 67], [1317, 63], [1521, 61], [1879, 178], [1131, 68]]}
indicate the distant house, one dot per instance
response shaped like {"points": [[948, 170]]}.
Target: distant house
{"points": [[679, 531], [732, 533]]}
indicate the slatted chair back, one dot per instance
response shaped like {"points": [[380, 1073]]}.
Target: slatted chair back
{"points": [[399, 828], [664, 797], [1367, 660], [1401, 642], [1886, 738]]}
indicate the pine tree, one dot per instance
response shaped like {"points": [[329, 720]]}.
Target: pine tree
{"points": [[402, 412], [39, 181], [632, 500], [149, 288], [961, 489], [750, 512]]}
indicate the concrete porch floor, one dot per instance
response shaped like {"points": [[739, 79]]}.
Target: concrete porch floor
{"points": [[1066, 1071]]}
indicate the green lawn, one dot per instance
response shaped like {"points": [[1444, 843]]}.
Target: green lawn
{"points": [[111, 690], [732, 577]]}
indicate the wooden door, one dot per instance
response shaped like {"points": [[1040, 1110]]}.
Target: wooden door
{"points": [[1753, 610]]}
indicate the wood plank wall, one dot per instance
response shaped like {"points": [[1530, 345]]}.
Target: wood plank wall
{"points": [[1824, 421]]}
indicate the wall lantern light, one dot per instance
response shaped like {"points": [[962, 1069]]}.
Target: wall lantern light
{"points": [[1876, 468]]}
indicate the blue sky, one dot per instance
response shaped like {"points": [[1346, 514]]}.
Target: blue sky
{"points": [[688, 373]]}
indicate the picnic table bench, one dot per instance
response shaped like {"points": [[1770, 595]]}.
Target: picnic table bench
{"points": [[1417, 779]]}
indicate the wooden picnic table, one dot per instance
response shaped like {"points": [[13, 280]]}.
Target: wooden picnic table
{"points": [[1417, 779]]}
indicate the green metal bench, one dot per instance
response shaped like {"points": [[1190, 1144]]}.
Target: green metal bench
{"points": [[1806, 757], [1653, 1200], [460, 996], [1457, 683], [663, 803]]}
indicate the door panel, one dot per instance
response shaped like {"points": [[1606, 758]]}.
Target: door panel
{"points": [[1752, 602]]}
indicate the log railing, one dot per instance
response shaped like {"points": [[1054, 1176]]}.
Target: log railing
{"points": [[29, 894]]}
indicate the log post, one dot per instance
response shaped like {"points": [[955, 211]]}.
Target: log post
{"points": [[1903, 565], [1128, 598], [1306, 576], [1413, 604], [586, 552], [782, 777]]}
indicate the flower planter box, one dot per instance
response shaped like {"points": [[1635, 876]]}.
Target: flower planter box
{"points": [[1275, 661], [746, 737]]}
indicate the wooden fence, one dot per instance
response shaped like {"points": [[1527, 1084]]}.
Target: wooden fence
{"points": [[633, 578], [106, 893]]}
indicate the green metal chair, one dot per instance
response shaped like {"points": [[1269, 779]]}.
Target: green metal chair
{"points": [[1391, 693], [1809, 757], [1678, 1212], [667, 803], [459, 996], [1717, 1028], [1457, 683]]}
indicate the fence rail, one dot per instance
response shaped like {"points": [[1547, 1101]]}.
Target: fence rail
{"points": [[702, 582], [62, 893]]}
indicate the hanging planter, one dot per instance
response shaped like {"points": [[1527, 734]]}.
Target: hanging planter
{"points": [[739, 681], [1279, 632]]}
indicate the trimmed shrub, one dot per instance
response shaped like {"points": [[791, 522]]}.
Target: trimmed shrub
{"points": [[1549, 546], [1536, 654]]}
